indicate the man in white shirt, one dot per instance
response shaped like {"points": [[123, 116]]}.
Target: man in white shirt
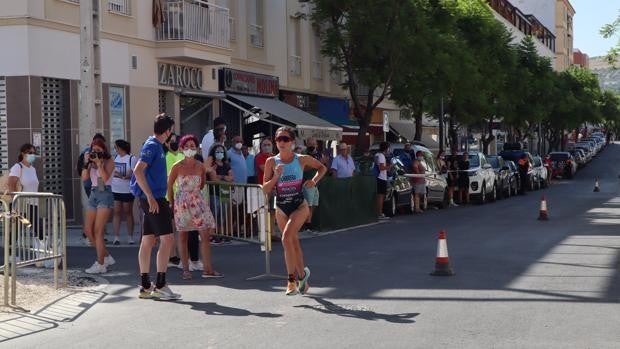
{"points": [[219, 129], [343, 165], [382, 167]]}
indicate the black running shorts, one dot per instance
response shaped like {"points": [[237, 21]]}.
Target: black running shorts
{"points": [[160, 223]]}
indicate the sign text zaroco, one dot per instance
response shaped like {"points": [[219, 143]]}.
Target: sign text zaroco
{"points": [[179, 76]]}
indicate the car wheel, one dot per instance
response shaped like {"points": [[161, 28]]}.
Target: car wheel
{"points": [[393, 207], [509, 189], [494, 193], [483, 194], [531, 184]]}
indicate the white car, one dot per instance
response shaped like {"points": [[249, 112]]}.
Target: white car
{"points": [[481, 177]]}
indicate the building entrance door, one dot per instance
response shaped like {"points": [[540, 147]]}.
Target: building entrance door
{"points": [[196, 115]]}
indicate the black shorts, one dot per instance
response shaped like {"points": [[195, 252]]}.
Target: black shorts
{"points": [[160, 223], [123, 197], [381, 186], [464, 182]]}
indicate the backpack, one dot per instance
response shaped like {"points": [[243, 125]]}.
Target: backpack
{"points": [[4, 183]]}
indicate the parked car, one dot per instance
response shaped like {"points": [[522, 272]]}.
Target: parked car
{"points": [[586, 151], [515, 155], [436, 184], [515, 179], [579, 156], [481, 177], [502, 176], [564, 165], [399, 190], [541, 174]]}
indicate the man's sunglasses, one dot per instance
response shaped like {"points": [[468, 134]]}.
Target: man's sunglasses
{"points": [[284, 139]]}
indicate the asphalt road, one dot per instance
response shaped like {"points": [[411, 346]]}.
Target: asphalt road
{"points": [[519, 283]]}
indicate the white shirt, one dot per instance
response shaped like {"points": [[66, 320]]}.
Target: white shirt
{"points": [[206, 144], [27, 177], [380, 159], [123, 167], [344, 166]]}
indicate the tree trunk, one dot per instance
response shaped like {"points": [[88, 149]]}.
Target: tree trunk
{"points": [[418, 115], [452, 134], [487, 137]]}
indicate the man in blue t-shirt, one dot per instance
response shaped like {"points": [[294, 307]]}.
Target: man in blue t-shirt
{"points": [[149, 184]]}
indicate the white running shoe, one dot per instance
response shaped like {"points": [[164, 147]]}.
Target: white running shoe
{"points": [[165, 294], [196, 266], [108, 261], [131, 241], [97, 269]]}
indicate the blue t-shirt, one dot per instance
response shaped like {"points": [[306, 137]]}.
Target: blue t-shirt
{"points": [[249, 163], [152, 154], [238, 165]]}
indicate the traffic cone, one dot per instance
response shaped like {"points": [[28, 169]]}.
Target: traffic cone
{"points": [[596, 186], [543, 215], [442, 262]]}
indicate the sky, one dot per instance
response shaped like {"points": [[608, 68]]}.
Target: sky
{"points": [[590, 16]]}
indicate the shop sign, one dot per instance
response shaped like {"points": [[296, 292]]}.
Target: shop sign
{"points": [[179, 76], [326, 134], [237, 81]]}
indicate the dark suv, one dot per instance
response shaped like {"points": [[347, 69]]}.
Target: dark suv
{"points": [[503, 176], [515, 155]]}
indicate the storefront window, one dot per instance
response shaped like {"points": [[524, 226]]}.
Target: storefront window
{"points": [[117, 113]]}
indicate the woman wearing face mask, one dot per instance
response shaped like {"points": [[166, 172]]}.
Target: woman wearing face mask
{"points": [[191, 211], [99, 168], [220, 172]]}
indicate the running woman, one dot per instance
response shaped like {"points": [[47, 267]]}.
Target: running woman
{"points": [[284, 172]]}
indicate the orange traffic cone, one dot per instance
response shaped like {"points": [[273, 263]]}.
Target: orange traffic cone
{"points": [[442, 262], [596, 186], [543, 215]]}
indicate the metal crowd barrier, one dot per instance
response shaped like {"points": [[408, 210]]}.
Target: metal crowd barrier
{"points": [[35, 233], [241, 212]]}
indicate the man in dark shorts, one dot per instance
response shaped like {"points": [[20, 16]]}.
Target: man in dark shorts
{"points": [[464, 179], [149, 184]]}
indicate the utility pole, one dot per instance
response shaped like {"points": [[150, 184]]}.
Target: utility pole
{"points": [[441, 127], [90, 88]]}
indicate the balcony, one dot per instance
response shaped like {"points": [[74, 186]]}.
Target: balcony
{"points": [[294, 65], [256, 35], [195, 31]]}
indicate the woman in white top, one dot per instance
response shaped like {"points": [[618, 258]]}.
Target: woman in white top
{"points": [[99, 167], [124, 164], [25, 174]]}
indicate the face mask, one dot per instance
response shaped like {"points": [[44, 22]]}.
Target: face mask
{"points": [[174, 146], [311, 149], [30, 158], [238, 146], [219, 156], [267, 149], [189, 153]]}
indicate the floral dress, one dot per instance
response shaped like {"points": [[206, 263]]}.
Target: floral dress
{"points": [[191, 211]]}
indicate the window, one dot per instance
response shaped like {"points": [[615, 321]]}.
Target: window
{"points": [[117, 113], [295, 45], [122, 7], [255, 27]]}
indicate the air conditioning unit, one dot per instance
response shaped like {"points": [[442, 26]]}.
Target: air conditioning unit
{"points": [[256, 40]]}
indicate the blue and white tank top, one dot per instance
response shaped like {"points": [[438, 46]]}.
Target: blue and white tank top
{"points": [[289, 187]]}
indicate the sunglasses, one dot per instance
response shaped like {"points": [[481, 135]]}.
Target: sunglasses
{"points": [[284, 139]]}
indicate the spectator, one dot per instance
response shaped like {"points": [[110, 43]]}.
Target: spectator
{"points": [[464, 179], [237, 161], [191, 212], [419, 182], [99, 167], [249, 164], [311, 194], [221, 172], [452, 180], [86, 183], [299, 150], [219, 129], [524, 168], [406, 156], [266, 151], [171, 148], [381, 167], [124, 164], [441, 162], [343, 165], [149, 183]]}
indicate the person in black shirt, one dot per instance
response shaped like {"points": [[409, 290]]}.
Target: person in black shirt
{"points": [[464, 179]]}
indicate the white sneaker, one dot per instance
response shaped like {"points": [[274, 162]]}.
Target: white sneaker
{"points": [[383, 217], [196, 266], [131, 242], [108, 261], [97, 269], [165, 294], [86, 242]]}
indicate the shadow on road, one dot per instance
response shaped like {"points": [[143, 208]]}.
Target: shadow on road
{"points": [[210, 308], [357, 311]]}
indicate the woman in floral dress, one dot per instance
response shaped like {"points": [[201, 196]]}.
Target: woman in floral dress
{"points": [[191, 211]]}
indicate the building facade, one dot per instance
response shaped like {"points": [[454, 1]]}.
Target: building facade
{"points": [[255, 62], [581, 59]]}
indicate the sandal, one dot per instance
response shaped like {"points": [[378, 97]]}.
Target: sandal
{"points": [[186, 275], [212, 274]]}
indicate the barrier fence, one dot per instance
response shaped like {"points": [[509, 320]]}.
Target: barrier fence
{"points": [[34, 228], [242, 212]]}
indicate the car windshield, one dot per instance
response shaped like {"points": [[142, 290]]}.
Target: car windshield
{"points": [[474, 160], [558, 156], [493, 162]]}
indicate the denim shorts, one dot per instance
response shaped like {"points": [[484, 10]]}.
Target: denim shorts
{"points": [[101, 199]]}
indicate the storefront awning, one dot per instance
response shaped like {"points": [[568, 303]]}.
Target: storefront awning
{"points": [[307, 125], [405, 130]]}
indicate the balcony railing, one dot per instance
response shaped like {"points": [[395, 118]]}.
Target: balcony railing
{"points": [[256, 35], [294, 65], [197, 21], [233, 28], [122, 7], [317, 70]]}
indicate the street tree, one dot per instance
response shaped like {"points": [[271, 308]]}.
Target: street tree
{"points": [[610, 30], [365, 40]]}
